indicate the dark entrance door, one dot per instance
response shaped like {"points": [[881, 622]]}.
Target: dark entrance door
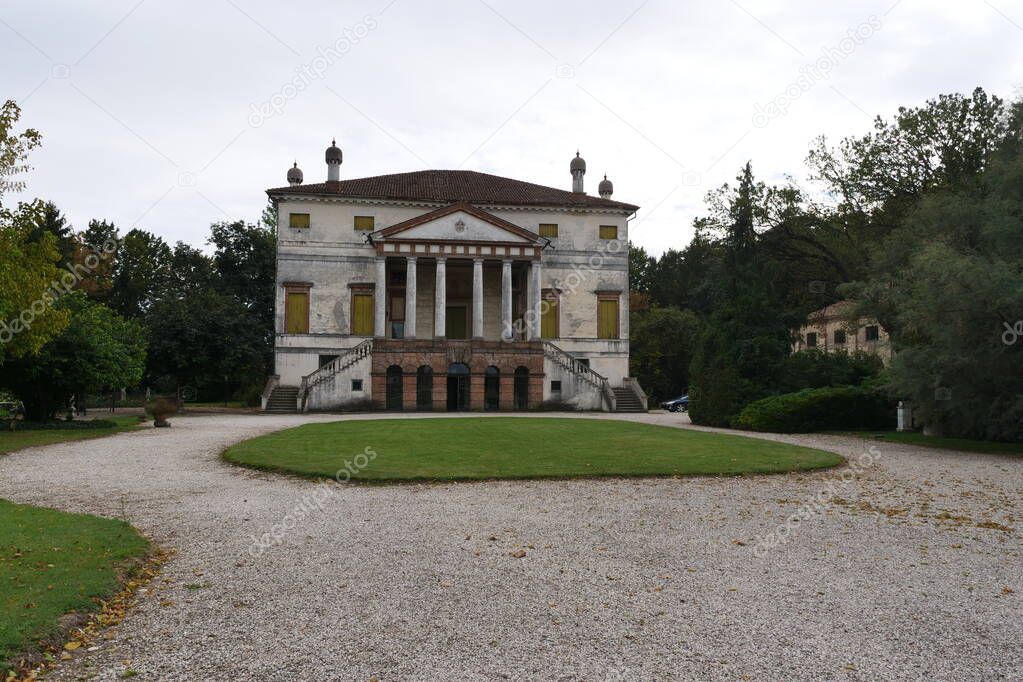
{"points": [[458, 387], [424, 388], [521, 388], [394, 387], [492, 389]]}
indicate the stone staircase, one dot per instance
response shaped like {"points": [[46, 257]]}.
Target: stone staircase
{"points": [[283, 400], [626, 401]]}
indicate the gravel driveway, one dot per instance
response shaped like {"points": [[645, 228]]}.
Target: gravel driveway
{"points": [[910, 569]]}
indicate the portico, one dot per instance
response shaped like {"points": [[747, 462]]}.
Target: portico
{"points": [[415, 303], [456, 242]]}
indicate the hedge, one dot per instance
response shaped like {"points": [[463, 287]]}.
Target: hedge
{"points": [[76, 425], [819, 409]]}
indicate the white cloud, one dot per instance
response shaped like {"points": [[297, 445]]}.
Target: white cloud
{"points": [[662, 99]]}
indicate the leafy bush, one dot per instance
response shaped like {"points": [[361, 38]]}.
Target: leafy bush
{"points": [[161, 408], [815, 368], [819, 409]]}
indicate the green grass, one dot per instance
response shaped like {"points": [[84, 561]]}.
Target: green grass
{"points": [[53, 563], [16, 440], [481, 448], [963, 444]]}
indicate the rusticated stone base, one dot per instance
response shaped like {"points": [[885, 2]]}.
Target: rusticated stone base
{"points": [[439, 354]]}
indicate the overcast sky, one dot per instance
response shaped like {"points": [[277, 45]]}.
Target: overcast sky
{"points": [[171, 115]]}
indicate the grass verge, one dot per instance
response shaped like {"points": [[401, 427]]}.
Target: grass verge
{"points": [[454, 449], [18, 439], [54, 567], [961, 444]]}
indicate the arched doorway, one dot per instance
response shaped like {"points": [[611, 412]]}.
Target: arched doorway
{"points": [[521, 388], [424, 388], [458, 387], [492, 389], [394, 387]]}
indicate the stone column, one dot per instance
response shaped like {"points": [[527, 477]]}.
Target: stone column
{"points": [[440, 300], [410, 298], [380, 299], [477, 298], [534, 299], [506, 300]]}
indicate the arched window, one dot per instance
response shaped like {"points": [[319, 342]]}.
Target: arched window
{"points": [[492, 389], [521, 388], [424, 388], [394, 388], [458, 387]]}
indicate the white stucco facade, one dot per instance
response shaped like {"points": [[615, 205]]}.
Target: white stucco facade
{"points": [[485, 251]]}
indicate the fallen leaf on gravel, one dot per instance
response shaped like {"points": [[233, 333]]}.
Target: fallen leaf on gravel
{"points": [[1007, 590], [741, 543], [517, 553], [71, 646]]}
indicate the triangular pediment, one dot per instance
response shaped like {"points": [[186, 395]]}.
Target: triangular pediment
{"points": [[459, 222]]}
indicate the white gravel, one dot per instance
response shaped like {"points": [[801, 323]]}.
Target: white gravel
{"points": [[622, 579]]}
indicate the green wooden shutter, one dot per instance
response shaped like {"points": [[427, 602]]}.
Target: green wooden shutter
{"points": [[297, 312], [607, 319], [362, 314], [549, 319]]}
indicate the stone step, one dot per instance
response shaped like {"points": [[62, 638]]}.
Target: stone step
{"points": [[626, 401], [283, 400]]}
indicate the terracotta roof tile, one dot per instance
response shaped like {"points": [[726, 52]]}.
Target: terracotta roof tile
{"points": [[445, 186]]}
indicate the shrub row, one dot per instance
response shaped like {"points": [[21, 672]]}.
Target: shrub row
{"points": [[77, 425], [819, 409]]}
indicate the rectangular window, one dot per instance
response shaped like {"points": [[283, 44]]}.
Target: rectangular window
{"points": [[607, 318], [549, 230], [356, 385], [362, 314], [549, 317], [327, 359], [365, 223], [296, 312], [811, 339], [555, 387], [609, 232], [872, 332], [298, 220], [839, 337]]}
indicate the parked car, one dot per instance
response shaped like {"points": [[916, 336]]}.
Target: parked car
{"points": [[677, 405]]}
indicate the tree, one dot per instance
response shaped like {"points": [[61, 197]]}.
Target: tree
{"points": [[142, 273], [950, 280], [14, 149], [746, 338], [28, 267], [641, 267], [97, 350], [28, 285], [246, 264], [204, 338], [661, 349]]}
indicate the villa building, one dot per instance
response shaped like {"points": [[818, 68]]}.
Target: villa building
{"points": [[450, 290], [833, 329]]}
